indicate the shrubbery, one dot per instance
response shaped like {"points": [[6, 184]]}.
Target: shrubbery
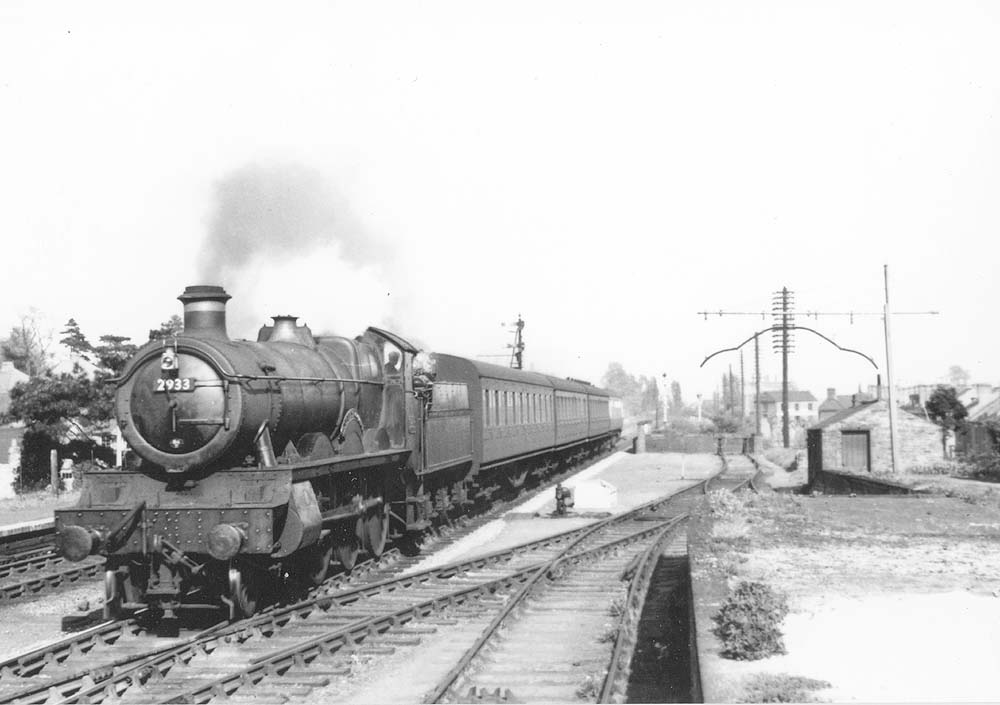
{"points": [[748, 623], [983, 466], [724, 504]]}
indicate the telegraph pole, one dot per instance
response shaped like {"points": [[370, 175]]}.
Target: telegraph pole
{"points": [[784, 322], [517, 349], [743, 396], [756, 384], [781, 305], [893, 427]]}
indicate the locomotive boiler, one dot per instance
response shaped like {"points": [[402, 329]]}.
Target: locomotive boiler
{"points": [[256, 464]]}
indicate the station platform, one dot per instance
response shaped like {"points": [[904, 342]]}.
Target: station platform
{"points": [[33, 526], [616, 484]]}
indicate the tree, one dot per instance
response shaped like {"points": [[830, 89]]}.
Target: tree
{"points": [[74, 339], [27, 346], [61, 414], [725, 422], [650, 399], [676, 400], [944, 408], [168, 329], [65, 412], [55, 404], [639, 396], [113, 352], [958, 376]]}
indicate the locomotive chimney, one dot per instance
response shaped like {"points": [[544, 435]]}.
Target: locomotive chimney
{"points": [[205, 311]]}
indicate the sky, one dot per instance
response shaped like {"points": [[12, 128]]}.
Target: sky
{"points": [[604, 170]]}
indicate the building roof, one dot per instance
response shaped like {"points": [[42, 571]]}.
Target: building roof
{"points": [[983, 403], [10, 375], [840, 415], [845, 401], [985, 411], [792, 396], [862, 406]]}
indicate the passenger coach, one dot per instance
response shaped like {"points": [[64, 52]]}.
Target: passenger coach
{"points": [[520, 423]]}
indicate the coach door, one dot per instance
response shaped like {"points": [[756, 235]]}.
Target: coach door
{"points": [[448, 427], [855, 450]]}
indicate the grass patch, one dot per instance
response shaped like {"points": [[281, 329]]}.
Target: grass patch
{"points": [[748, 623], [590, 688], [781, 688], [617, 606]]}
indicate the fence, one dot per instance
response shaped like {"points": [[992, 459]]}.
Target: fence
{"points": [[699, 443]]}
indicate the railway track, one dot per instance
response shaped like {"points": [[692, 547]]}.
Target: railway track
{"points": [[31, 576], [551, 641], [290, 652], [11, 562], [116, 662], [30, 566]]}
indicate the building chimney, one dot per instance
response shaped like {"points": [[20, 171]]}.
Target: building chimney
{"points": [[205, 311], [831, 393]]}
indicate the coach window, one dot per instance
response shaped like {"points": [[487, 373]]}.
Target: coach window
{"points": [[486, 407], [496, 406]]}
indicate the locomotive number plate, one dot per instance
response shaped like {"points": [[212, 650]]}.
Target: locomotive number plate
{"points": [[180, 384]]}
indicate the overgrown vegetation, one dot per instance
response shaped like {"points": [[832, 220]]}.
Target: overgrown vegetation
{"points": [[70, 413], [724, 504], [982, 466], [590, 688], [748, 623], [781, 688]]}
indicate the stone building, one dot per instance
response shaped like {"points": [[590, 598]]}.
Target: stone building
{"points": [[857, 440], [9, 376], [802, 407], [10, 458]]}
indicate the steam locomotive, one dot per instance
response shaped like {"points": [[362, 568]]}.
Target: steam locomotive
{"points": [[255, 463]]}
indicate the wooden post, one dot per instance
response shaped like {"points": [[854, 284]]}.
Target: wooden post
{"points": [[54, 470]]}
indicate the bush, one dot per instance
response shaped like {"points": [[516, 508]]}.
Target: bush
{"points": [[727, 505], [984, 466], [35, 472], [748, 623]]}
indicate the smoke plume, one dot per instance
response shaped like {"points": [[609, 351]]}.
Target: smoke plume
{"points": [[280, 212], [283, 241]]}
